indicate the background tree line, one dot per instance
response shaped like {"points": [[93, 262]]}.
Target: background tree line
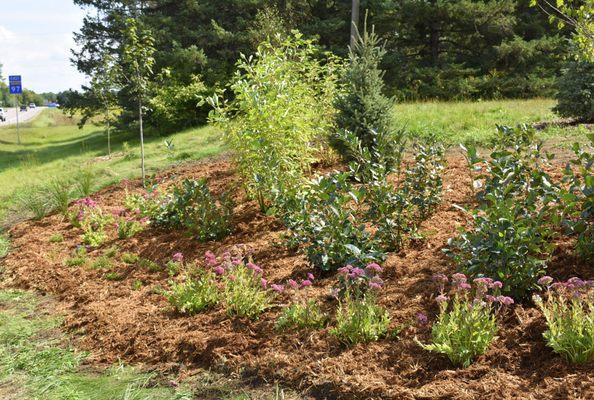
{"points": [[435, 49], [28, 96]]}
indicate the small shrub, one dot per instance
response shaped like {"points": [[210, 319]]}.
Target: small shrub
{"points": [[102, 262], [88, 216], [577, 201], [246, 293], [326, 222], [195, 294], [58, 193], [192, 206], [56, 238], [129, 258], [466, 324], [147, 205], [307, 315], [360, 320], [150, 265], [568, 308], [175, 265], [78, 259], [128, 227], [575, 94], [113, 276]]}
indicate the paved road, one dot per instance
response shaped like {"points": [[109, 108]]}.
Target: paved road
{"points": [[24, 116]]}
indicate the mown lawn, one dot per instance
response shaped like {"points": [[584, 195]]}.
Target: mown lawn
{"points": [[475, 121], [53, 147]]}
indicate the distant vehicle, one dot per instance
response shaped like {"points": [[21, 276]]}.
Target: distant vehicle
{"points": [[32, 105], [53, 105], [23, 108], [2, 115]]}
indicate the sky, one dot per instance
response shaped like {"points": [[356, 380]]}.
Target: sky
{"points": [[35, 42]]}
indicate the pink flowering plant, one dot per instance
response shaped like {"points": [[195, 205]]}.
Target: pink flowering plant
{"points": [[176, 264], [305, 312], [568, 308], [466, 324], [128, 226], [355, 282], [195, 294], [88, 216]]}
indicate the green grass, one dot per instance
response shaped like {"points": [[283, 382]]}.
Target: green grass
{"points": [[4, 245], [474, 122], [54, 147], [37, 363]]}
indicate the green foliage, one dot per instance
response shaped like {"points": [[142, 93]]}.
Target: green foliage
{"points": [[576, 91], [569, 313], [102, 262], [193, 207], [195, 294], [93, 225], [464, 329], [245, 294], [363, 110], [149, 265], [306, 315], [128, 227], [4, 245], [423, 182], [360, 320], [58, 192], [33, 201], [510, 237], [56, 238], [129, 258], [78, 259], [577, 201], [281, 105], [326, 222], [83, 182]]}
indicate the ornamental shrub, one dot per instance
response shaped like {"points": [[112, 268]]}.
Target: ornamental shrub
{"points": [[280, 107], [466, 324], [568, 308], [246, 291], [360, 320], [575, 93], [195, 294]]}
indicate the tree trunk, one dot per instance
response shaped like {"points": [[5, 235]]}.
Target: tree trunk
{"points": [[108, 133], [354, 22], [141, 140]]}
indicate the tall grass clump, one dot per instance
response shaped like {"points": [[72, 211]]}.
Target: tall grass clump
{"points": [[4, 245], [59, 195], [84, 182], [33, 201]]}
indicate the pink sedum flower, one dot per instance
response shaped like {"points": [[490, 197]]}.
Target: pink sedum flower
{"points": [[277, 288], [441, 298], [505, 300], [373, 268], [292, 284], [264, 283], [306, 283], [422, 319], [545, 280], [178, 257], [310, 276], [219, 270]]}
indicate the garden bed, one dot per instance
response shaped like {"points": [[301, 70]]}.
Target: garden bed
{"points": [[116, 320]]}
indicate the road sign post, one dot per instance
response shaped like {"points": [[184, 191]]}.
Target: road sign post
{"points": [[16, 87]]}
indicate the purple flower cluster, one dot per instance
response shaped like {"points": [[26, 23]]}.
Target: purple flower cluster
{"points": [[478, 292], [573, 288], [360, 279], [178, 257], [292, 284]]}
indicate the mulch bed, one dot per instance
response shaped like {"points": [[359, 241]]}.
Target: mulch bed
{"points": [[116, 322]]}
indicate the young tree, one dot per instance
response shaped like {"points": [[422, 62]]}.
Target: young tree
{"points": [[104, 86], [137, 60]]}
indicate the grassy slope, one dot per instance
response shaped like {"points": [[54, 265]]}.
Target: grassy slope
{"points": [[474, 122], [37, 363], [53, 146]]}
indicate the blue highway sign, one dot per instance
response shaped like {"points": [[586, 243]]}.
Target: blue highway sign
{"points": [[15, 84]]}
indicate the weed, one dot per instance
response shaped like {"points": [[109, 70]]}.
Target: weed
{"points": [[113, 276], [137, 284], [129, 258], [111, 252], [102, 262], [56, 238], [79, 258], [150, 265]]}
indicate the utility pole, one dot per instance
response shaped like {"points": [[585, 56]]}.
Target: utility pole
{"points": [[354, 22]]}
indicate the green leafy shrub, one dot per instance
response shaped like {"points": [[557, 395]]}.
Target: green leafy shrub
{"points": [[466, 324], [577, 201], [568, 308], [281, 106], [194, 207], [360, 320], [128, 227], [326, 222], [246, 293], [575, 93], [510, 236], [306, 315], [423, 182], [195, 294]]}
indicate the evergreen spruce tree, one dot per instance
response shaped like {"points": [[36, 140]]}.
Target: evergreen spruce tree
{"points": [[364, 119]]}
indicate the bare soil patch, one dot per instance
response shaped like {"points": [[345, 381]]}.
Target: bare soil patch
{"points": [[118, 322]]}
